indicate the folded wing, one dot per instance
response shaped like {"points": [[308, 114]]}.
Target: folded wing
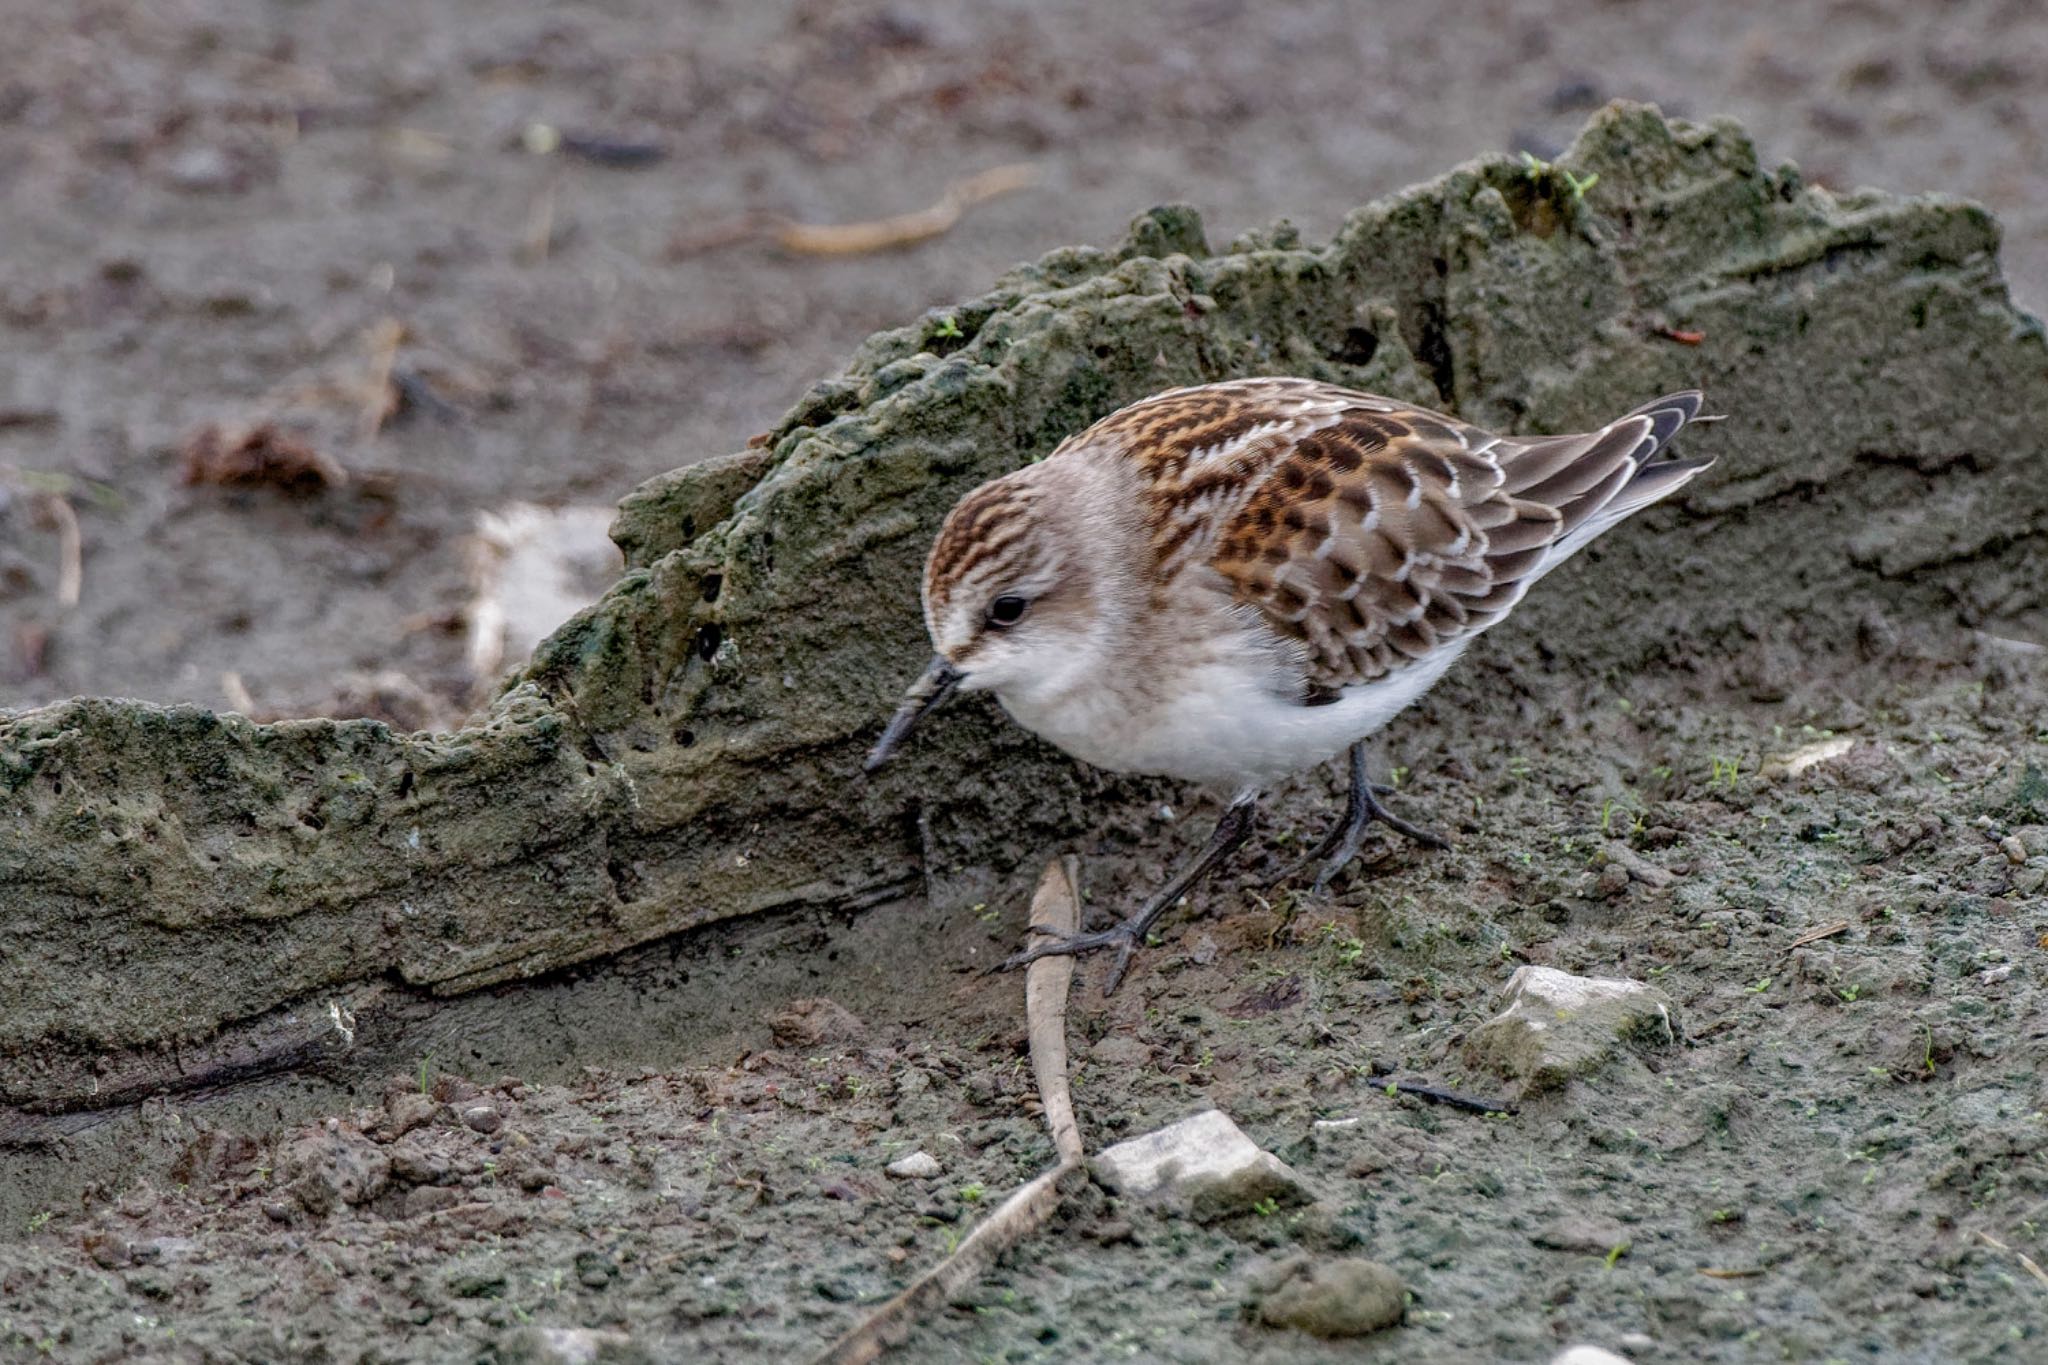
{"points": [[1376, 533]]}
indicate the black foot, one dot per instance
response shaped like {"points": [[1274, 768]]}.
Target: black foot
{"points": [[1122, 937], [1342, 844], [1230, 831]]}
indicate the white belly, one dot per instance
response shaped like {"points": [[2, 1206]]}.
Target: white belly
{"points": [[1224, 724]]}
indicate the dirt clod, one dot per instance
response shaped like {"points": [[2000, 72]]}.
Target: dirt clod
{"points": [[815, 1023], [1341, 1298], [328, 1169]]}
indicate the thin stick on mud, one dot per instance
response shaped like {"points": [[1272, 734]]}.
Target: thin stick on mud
{"points": [[237, 693], [906, 229], [2032, 1267], [380, 394], [70, 550], [537, 238], [1055, 908], [1056, 905], [1816, 935], [864, 238]]}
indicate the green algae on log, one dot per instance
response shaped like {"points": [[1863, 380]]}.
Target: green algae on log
{"points": [[185, 896]]}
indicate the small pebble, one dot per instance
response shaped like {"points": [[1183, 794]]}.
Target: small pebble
{"points": [[482, 1118], [916, 1166], [2015, 851], [202, 170], [593, 1270]]}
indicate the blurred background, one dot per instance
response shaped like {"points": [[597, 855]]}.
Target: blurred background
{"points": [[326, 325]]}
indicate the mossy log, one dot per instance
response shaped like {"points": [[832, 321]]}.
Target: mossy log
{"points": [[186, 895]]}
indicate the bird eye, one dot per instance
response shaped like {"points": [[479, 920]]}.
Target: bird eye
{"points": [[1006, 611]]}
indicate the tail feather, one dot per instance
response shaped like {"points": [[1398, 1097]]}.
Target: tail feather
{"points": [[1625, 475]]}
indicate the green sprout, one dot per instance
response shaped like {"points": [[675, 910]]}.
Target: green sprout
{"points": [[1537, 169]]}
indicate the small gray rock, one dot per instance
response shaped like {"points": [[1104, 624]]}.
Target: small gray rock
{"points": [[425, 1199], [203, 170], [407, 1110], [1122, 1051], [1346, 1298], [1203, 1164], [594, 1269], [419, 1165], [1557, 1026], [482, 1118], [815, 1022], [567, 1346], [1587, 1233], [332, 1167], [916, 1166]]}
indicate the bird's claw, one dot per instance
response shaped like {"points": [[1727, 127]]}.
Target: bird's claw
{"points": [[1122, 937]]}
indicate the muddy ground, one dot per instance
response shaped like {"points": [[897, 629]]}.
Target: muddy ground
{"points": [[1841, 1160], [210, 206]]}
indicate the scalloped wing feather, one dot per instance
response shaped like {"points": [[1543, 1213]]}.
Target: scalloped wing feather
{"points": [[1371, 532]]}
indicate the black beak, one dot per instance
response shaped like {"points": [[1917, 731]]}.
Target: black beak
{"points": [[928, 693]]}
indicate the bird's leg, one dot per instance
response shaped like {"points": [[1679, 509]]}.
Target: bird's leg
{"points": [[1341, 844], [1230, 832]]}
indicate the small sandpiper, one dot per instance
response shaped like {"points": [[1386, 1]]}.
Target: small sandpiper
{"points": [[1232, 583]]}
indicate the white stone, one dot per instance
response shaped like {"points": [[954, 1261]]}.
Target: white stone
{"points": [[1587, 1355], [1561, 991], [916, 1166], [1557, 1026], [1808, 756], [1203, 1164], [569, 1345]]}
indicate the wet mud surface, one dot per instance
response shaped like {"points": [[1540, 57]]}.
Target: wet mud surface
{"points": [[1840, 1156]]}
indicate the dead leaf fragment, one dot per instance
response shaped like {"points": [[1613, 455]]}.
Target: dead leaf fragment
{"points": [[261, 456]]}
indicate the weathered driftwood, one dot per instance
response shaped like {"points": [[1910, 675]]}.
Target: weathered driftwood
{"points": [[182, 892]]}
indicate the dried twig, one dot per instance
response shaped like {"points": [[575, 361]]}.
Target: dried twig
{"points": [[1816, 935], [2032, 1267], [859, 239], [1056, 905], [1734, 1273], [70, 549], [538, 236], [237, 693], [906, 229], [380, 394], [1055, 908]]}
